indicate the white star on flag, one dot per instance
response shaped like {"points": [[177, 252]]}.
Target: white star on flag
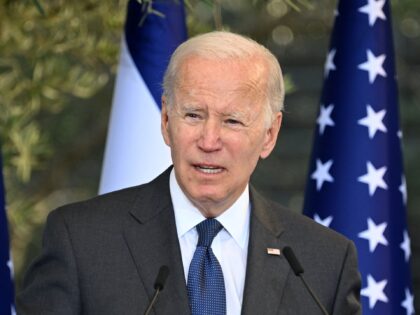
{"points": [[375, 291], [325, 222], [408, 302], [373, 65], [324, 118], [374, 178], [329, 63], [373, 121], [375, 10], [400, 134], [374, 234], [406, 246], [10, 265], [322, 174], [403, 189]]}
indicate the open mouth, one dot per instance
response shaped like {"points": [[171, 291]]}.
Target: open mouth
{"points": [[209, 169]]}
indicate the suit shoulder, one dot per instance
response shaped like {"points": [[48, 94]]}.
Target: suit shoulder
{"points": [[297, 225], [114, 204], [108, 202]]}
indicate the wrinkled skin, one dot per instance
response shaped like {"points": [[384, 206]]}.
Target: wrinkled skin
{"points": [[217, 129]]}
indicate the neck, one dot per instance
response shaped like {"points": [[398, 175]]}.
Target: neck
{"points": [[210, 209]]}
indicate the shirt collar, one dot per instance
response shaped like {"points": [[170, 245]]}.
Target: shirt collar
{"points": [[235, 220]]}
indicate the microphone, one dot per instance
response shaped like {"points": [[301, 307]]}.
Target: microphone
{"points": [[159, 285], [298, 270]]}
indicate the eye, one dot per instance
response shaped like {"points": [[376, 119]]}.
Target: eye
{"points": [[232, 121], [192, 115]]}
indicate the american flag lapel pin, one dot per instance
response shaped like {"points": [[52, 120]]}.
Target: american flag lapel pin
{"points": [[273, 251]]}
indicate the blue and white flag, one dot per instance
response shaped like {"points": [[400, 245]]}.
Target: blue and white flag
{"points": [[135, 152], [6, 266], [356, 181]]}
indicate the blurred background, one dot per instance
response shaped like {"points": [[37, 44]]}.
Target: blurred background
{"points": [[58, 61]]}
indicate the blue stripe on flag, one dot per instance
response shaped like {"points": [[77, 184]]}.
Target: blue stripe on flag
{"points": [[356, 182], [152, 42], [7, 291]]}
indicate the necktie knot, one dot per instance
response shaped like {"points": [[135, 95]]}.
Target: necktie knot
{"points": [[207, 230]]}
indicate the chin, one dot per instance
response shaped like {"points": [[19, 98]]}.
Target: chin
{"points": [[208, 196]]}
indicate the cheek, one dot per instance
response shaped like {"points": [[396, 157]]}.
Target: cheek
{"points": [[175, 132], [244, 151], [181, 140]]}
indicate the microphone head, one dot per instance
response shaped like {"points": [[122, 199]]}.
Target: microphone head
{"points": [[161, 278], [292, 260]]}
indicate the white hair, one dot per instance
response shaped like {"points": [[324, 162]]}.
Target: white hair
{"points": [[222, 45]]}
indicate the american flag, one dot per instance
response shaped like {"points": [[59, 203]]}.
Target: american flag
{"points": [[356, 182], [6, 266]]}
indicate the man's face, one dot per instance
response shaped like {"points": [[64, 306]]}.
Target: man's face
{"points": [[217, 129]]}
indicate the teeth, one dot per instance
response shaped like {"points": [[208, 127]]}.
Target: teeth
{"points": [[209, 170]]}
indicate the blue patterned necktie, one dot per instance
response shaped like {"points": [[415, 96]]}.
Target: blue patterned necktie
{"points": [[206, 287]]}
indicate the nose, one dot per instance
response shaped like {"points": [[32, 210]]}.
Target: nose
{"points": [[210, 139]]}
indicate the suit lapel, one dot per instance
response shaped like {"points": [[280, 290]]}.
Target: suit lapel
{"points": [[266, 274], [151, 236], [152, 219]]}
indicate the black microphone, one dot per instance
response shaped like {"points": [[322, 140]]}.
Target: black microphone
{"points": [[159, 285], [298, 270]]}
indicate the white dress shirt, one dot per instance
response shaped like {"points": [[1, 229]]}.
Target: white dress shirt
{"points": [[230, 246]]}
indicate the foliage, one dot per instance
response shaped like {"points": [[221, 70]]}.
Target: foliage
{"points": [[48, 62]]}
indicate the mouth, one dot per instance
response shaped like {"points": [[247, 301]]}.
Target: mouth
{"points": [[209, 169]]}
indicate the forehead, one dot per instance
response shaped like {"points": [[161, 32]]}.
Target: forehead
{"points": [[243, 75]]}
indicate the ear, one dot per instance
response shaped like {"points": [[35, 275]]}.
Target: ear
{"points": [[164, 122], [271, 136]]}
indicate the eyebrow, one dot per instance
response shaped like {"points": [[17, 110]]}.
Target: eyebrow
{"points": [[190, 107], [197, 108], [236, 115]]}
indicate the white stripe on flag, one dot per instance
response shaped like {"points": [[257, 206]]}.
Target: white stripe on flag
{"points": [[135, 152]]}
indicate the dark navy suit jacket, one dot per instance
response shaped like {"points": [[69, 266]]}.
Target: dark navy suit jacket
{"points": [[102, 256]]}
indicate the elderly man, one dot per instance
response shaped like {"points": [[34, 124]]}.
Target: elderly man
{"points": [[222, 241]]}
